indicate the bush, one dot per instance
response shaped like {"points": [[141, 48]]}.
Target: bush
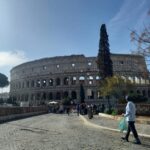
{"points": [[111, 112], [114, 112]]}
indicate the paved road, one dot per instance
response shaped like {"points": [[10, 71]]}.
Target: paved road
{"points": [[61, 132]]}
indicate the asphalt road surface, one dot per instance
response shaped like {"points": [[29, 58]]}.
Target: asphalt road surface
{"points": [[61, 132]]}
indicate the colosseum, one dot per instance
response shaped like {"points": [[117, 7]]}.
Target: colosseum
{"points": [[48, 79]]}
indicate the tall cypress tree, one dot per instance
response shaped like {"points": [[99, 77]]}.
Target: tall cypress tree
{"points": [[82, 94], [104, 61]]}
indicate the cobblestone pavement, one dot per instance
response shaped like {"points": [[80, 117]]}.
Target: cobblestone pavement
{"points": [[61, 132]]}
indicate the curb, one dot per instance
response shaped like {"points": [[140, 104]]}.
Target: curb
{"points": [[86, 122], [138, 120]]}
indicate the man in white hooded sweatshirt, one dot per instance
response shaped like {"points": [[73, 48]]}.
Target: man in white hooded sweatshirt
{"points": [[130, 117]]}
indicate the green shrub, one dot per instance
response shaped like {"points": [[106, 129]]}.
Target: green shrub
{"points": [[114, 112]]}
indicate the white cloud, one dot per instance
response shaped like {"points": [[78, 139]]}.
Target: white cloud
{"points": [[12, 58], [9, 59], [129, 13]]}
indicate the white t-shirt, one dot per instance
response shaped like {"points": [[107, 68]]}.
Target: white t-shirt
{"points": [[130, 111]]}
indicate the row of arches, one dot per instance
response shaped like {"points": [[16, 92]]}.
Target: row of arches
{"points": [[57, 95], [53, 82], [67, 81], [48, 96]]}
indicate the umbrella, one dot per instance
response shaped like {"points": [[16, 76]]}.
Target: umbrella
{"points": [[53, 102]]}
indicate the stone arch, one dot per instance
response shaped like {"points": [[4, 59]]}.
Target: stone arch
{"points": [[138, 92], [27, 84], [44, 96], [90, 94], [66, 81], [44, 83], [51, 82], [58, 96], [22, 84], [130, 79], [90, 80], [73, 80], [82, 79], [73, 95], [65, 94], [148, 93], [144, 92], [38, 96], [32, 83], [57, 81], [38, 83], [50, 96], [142, 80], [137, 80]]}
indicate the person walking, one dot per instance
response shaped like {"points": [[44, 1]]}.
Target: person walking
{"points": [[130, 117], [78, 109], [68, 110]]}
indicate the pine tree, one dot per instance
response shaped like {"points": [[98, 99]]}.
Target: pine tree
{"points": [[104, 61], [3, 81]]}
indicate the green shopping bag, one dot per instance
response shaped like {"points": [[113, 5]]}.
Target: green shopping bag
{"points": [[122, 124]]}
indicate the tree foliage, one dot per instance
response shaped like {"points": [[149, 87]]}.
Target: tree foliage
{"points": [[115, 86], [3, 81], [104, 61]]}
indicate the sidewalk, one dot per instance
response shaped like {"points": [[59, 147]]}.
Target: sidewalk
{"points": [[110, 124]]}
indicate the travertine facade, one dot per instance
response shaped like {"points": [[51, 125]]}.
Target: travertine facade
{"points": [[53, 78]]}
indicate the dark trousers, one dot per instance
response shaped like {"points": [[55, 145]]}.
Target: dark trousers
{"points": [[131, 127]]}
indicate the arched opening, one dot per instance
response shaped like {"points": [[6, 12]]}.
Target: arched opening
{"points": [[90, 80], [50, 82], [38, 83], [144, 92], [66, 94], [57, 81], [82, 79], [73, 80], [58, 96], [148, 93], [32, 83], [131, 79], [44, 96], [90, 94], [38, 96], [50, 96], [27, 84], [43, 83], [73, 95], [66, 81], [137, 80]]}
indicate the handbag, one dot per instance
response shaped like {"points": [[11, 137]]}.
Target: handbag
{"points": [[122, 125]]}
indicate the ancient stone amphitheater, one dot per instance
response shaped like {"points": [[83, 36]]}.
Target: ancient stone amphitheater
{"points": [[48, 79]]}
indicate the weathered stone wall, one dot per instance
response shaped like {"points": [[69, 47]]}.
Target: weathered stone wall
{"points": [[10, 113], [54, 78]]}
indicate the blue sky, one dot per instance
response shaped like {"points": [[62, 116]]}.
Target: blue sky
{"points": [[33, 29]]}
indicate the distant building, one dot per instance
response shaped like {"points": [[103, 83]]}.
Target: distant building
{"points": [[4, 96], [54, 78]]}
